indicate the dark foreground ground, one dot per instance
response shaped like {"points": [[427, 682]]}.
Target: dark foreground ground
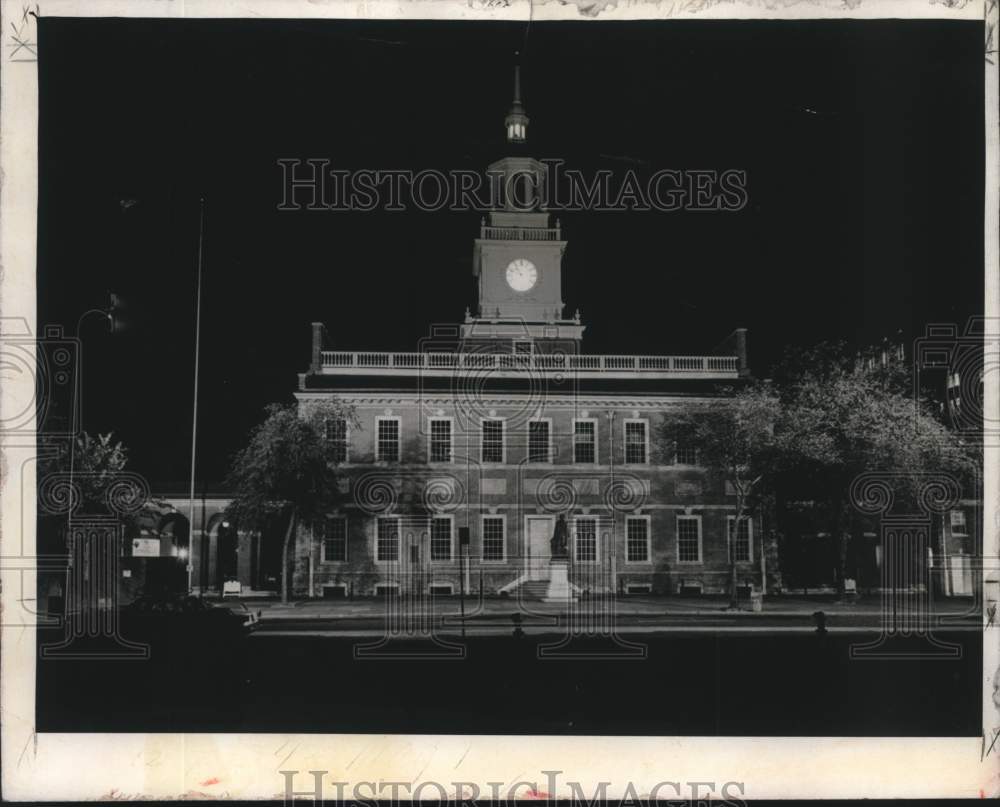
{"points": [[203, 677]]}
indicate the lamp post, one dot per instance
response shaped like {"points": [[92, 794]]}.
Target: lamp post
{"points": [[194, 412], [75, 421]]}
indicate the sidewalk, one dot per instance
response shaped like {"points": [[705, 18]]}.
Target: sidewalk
{"points": [[637, 607]]}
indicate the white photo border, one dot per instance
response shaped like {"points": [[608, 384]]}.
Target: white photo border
{"points": [[48, 766]]}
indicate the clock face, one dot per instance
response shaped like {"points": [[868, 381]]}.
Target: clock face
{"points": [[521, 274]]}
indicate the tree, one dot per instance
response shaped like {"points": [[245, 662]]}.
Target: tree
{"points": [[843, 416], [96, 463], [74, 478], [736, 440], [288, 470]]}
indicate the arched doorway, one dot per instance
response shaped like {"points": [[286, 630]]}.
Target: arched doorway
{"points": [[227, 554], [167, 574]]}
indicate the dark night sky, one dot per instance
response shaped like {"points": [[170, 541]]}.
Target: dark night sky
{"points": [[862, 142]]}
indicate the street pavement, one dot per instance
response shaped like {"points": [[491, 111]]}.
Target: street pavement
{"points": [[344, 666], [633, 614]]}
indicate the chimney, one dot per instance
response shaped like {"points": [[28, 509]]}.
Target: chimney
{"points": [[735, 344], [740, 345], [318, 344]]}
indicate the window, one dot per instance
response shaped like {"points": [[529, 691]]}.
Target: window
{"points": [[440, 440], [637, 539], [538, 441], [492, 450], [440, 538], [493, 538], [688, 539], [635, 442], [335, 540], [685, 454], [585, 441], [522, 348], [957, 518], [387, 540], [387, 439], [586, 540], [336, 436], [743, 547]]}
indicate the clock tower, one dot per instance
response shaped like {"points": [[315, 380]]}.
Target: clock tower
{"points": [[517, 259]]}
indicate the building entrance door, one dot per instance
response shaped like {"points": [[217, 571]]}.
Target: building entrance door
{"points": [[538, 552]]}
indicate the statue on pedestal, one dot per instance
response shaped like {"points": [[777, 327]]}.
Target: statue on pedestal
{"points": [[560, 539]]}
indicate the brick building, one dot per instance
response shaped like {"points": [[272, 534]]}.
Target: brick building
{"points": [[501, 423]]}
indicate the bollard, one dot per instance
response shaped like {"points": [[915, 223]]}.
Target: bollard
{"points": [[516, 619], [820, 618]]}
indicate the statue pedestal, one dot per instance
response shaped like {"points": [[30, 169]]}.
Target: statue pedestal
{"points": [[559, 590]]}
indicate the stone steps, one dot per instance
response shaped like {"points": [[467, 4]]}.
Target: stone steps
{"points": [[534, 589]]}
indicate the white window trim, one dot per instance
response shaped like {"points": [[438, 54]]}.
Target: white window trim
{"points": [[482, 538], [347, 437], [597, 456], [597, 540], [649, 541], [399, 539], [377, 586], [399, 436], [701, 541], [730, 536], [503, 440], [527, 442], [342, 586], [638, 588], [449, 586], [322, 540], [625, 422], [430, 438], [451, 535]]}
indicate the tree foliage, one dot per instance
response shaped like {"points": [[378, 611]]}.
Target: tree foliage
{"points": [[841, 419], [95, 462], [737, 442], [826, 417], [287, 470]]}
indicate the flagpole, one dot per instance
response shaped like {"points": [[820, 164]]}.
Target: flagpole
{"points": [[194, 413]]}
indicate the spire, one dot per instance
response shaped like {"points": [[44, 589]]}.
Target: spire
{"points": [[516, 121]]}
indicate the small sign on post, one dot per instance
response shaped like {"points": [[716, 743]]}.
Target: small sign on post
{"points": [[145, 547]]}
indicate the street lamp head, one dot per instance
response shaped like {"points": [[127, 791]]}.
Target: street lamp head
{"points": [[117, 313]]}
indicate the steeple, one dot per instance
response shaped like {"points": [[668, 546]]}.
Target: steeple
{"points": [[516, 120], [517, 258]]}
